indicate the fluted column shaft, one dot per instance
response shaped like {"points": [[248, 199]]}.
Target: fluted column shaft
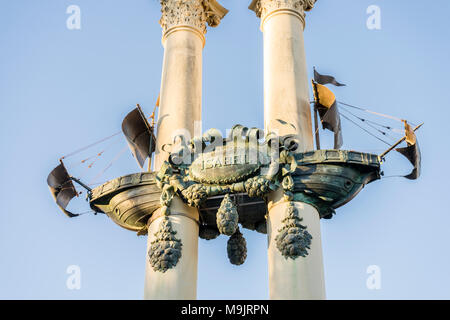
{"points": [[286, 85], [183, 25], [286, 98]]}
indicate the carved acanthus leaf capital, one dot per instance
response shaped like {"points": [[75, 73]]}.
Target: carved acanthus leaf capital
{"points": [[193, 13], [263, 8]]}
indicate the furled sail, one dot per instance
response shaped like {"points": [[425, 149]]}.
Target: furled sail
{"points": [[411, 152], [325, 104], [139, 135], [62, 188]]}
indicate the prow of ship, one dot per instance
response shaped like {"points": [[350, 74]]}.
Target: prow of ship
{"points": [[141, 140]]}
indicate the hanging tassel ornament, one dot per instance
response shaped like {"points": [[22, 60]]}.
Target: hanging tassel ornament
{"points": [[165, 250], [227, 217], [237, 248], [293, 240]]}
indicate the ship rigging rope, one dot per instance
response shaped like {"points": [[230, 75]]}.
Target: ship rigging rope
{"points": [[90, 145], [372, 122], [366, 122], [118, 155], [367, 131], [96, 156], [372, 112]]}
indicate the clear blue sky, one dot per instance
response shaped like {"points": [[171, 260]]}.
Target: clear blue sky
{"points": [[61, 89]]}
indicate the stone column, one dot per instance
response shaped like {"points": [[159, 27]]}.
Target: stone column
{"points": [[286, 84], [301, 278], [183, 25], [179, 282], [286, 98]]}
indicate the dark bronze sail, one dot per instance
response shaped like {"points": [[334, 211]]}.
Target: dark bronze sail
{"points": [[324, 79], [411, 152], [62, 188], [325, 104], [139, 135]]}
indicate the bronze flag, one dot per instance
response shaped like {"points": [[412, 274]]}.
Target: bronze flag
{"points": [[411, 152], [325, 104], [324, 79], [139, 135], [62, 188]]}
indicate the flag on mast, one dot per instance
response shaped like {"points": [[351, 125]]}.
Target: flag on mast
{"points": [[62, 188], [325, 79], [411, 152], [139, 135], [325, 104]]}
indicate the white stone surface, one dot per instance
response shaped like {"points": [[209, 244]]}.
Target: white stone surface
{"points": [[180, 107], [183, 25], [286, 97], [179, 283], [302, 278], [181, 88], [286, 83]]}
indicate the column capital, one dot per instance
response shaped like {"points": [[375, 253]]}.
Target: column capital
{"points": [[265, 8], [191, 14]]}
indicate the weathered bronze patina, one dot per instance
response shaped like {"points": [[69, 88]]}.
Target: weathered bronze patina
{"points": [[326, 179], [234, 176], [129, 200]]}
